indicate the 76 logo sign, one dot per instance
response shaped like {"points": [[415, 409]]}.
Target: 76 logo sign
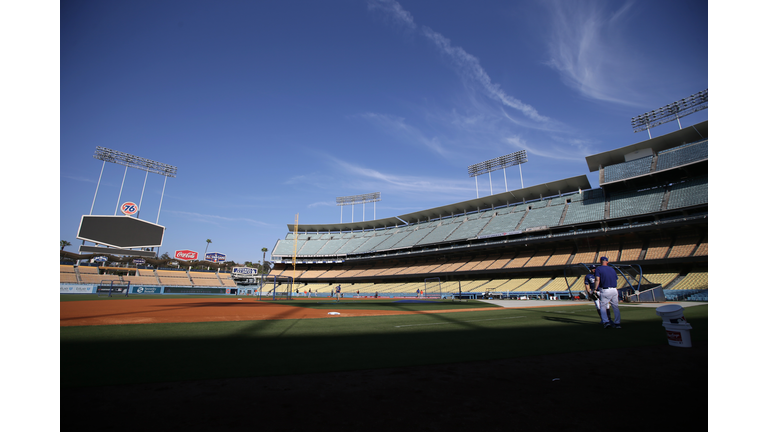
{"points": [[129, 208]]}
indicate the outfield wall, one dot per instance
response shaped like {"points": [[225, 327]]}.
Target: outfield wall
{"points": [[70, 288]]}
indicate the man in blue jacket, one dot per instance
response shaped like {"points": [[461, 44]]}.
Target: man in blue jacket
{"points": [[590, 288], [606, 281]]}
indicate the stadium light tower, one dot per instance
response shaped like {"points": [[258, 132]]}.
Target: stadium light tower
{"points": [[130, 161], [675, 110], [502, 162], [358, 199]]}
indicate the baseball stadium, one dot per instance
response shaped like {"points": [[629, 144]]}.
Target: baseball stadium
{"points": [[450, 317]]}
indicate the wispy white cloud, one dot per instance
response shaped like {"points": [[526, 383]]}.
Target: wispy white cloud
{"points": [[401, 183], [394, 11], [398, 127], [216, 219], [491, 119], [467, 65], [78, 178], [549, 150], [586, 48]]}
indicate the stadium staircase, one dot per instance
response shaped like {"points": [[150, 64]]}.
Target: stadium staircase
{"points": [[665, 200]]}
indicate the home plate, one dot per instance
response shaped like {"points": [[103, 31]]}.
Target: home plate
{"points": [[334, 313]]}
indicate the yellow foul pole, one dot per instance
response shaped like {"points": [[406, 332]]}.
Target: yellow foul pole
{"points": [[295, 246]]}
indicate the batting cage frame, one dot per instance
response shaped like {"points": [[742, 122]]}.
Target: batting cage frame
{"points": [[277, 293], [635, 289], [446, 290], [432, 288], [114, 285]]}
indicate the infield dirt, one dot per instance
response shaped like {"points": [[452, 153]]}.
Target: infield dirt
{"points": [[153, 311]]}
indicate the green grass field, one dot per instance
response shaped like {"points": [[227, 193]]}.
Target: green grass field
{"points": [[145, 353]]}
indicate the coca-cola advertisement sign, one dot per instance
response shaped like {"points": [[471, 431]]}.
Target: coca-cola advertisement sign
{"points": [[186, 255]]}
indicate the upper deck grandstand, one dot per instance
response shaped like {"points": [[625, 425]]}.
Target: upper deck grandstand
{"points": [[650, 209]]}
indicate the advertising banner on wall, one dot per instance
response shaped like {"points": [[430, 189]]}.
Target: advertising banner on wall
{"points": [[76, 289], [245, 271], [215, 257], [185, 255], [146, 290]]}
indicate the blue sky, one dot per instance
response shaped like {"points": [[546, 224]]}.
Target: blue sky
{"points": [[272, 109]]}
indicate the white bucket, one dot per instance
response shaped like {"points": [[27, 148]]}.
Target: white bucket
{"points": [[679, 335], [671, 314]]}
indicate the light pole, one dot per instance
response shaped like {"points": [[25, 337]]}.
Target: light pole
{"points": [[502, 162], [667, 113]]}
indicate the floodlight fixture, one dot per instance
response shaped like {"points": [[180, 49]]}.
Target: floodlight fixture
{"points": [[130, 161], [373, 197], [501, 162], [674, 111]]}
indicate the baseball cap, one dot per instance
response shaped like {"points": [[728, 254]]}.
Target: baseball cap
{"points": [[603, 259], [592, 267]]}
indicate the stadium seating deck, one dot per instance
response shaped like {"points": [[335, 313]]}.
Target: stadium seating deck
{"points": [[631, 250], [663, 279], [141, 280], [586, 207], [629, 169], [520, 259], [204, 278], [617, 251], [501, 262], [586, 255], [87, 270], [689, 193], [539, 258], [486, 262], [96, 278], [560, 256], [533, 284], [658, 248], [610, 250], [703, 249], [502, 223], [560, 284], [573, 208], [684, 246], [682, 155], [174, 277], [631, 203], [227, 280], [545, 216], [67, 274], [693, 281]]}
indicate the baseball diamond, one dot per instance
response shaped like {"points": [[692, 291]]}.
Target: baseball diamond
{"points": [[519, 240]]}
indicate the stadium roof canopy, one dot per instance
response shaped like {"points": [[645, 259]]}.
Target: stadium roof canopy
{"points": [[555, 188], [686, 135]]}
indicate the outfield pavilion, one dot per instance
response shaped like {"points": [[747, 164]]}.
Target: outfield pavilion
{"points": [[650, 210]]}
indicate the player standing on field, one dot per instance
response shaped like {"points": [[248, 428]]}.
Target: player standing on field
{"points": [[606, 281], [589, 287], [338, 292]]}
